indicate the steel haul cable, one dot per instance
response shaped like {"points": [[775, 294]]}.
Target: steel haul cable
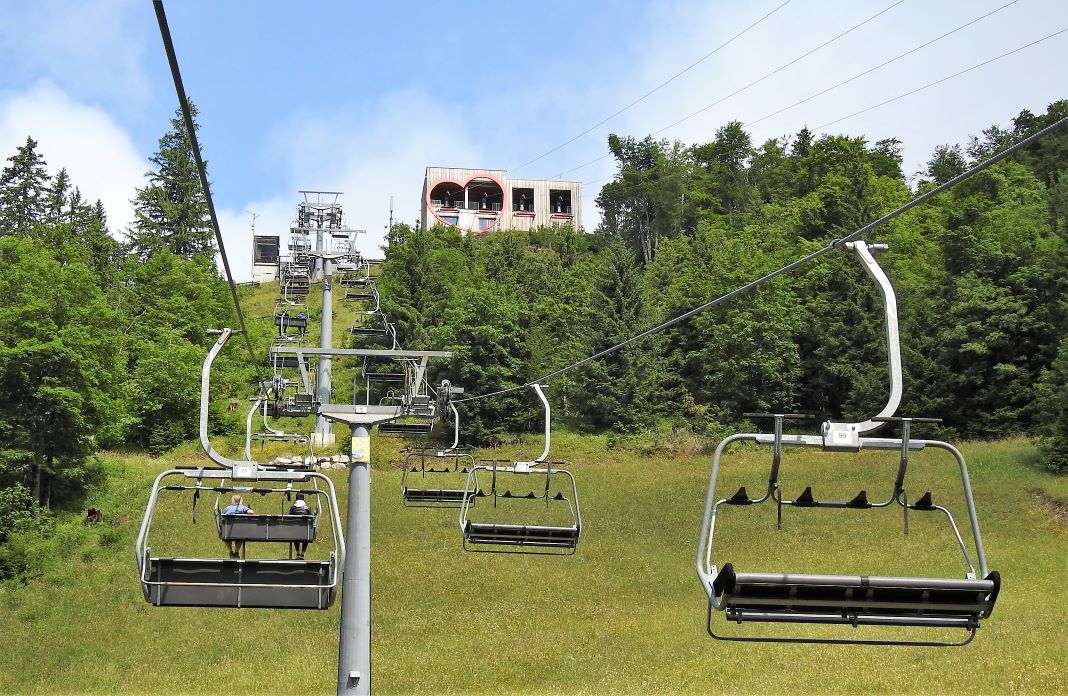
{"points": [[939, 81], [757, 81], [172, 59]]}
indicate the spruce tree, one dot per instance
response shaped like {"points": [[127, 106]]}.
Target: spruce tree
{"points": [[56, 198], [23, 191], [171, 212]]}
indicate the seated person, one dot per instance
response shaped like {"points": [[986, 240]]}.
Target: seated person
{"points": [[300, 508], [236, 507]]}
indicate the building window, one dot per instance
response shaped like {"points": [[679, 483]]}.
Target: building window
{"points": [[560, 202], [452, 220], [265, 250], [485, 223], [523, 200], [484, 194]]}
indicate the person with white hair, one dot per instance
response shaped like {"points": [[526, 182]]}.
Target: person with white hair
{"points": [[236, 507]]}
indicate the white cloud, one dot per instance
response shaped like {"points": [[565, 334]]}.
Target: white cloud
{"points": [[90, 47], [98, 154]]}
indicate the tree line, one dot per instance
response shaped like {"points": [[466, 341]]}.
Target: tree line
{"points": [[981, 274], [101, 340]]}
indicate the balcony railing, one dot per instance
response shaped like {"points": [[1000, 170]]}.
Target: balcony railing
{"points": [[460, 205], [560, 209], [523, 207]]}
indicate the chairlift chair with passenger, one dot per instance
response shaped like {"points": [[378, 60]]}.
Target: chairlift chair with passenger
{"points": [[515, 507], [745, 596], [200, 581], [270, 527]]}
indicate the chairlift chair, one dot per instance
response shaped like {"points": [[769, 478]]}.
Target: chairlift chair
{"points": [[367, 331], [299, 405], [239, 582], [280, 362], [426, 471], [371, 297], [404, 424], [295, 290], [406, 428], [286, 320], [386, 330], [543, 483], [267, 527], [416, 407], [349, 281], [849, 600], [269, 434]]}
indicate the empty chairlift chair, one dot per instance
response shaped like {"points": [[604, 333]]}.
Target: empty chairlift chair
{"points": [[915, 602], [503, 501], [269, 433], [370, 297], [415, 408], [436, 478], [416, 418], [385, 330]]}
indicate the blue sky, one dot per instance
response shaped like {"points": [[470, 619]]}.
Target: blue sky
{"points": [[361, 97]]}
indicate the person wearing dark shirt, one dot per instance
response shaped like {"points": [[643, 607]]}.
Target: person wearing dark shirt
{"points": [[300, 507]]}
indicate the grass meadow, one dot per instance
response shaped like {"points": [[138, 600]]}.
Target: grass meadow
{"points": [[625, 614]]}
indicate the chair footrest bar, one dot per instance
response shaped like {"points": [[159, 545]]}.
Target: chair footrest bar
{"points": [[853, 619]]}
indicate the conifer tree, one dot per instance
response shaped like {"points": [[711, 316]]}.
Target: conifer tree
{"points": [[23, 191], [56, 198], [171, 212]]}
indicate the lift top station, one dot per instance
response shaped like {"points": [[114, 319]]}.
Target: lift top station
{"points": [[321, 214]]}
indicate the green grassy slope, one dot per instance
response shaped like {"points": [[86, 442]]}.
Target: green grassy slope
{"points": [[258, 303], [626, 614]]}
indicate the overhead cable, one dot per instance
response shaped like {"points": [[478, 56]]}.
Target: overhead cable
{"points": [[755, 82], [660, 86], [183, 100], [881, 65], [831, 245], [938, 82], [883, 103]]}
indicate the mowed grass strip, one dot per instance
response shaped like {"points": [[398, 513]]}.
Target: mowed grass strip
{"points": [[624, 615]]}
